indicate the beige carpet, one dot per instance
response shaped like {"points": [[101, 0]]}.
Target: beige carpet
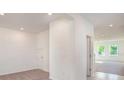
{"points": [[35, 74], [111, 67]]}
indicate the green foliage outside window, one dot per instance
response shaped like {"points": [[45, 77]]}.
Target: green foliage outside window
{"points": [[101, 50], [113, 50]]}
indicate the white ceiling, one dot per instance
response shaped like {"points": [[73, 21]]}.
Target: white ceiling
{"points": [[33, 22], [102, 21], [36, 22]]}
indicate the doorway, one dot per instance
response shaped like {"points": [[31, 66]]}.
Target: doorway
{"points": [[109, 56]]}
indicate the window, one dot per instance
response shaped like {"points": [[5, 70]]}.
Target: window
{"points": [[113, 50], [101, 50]]}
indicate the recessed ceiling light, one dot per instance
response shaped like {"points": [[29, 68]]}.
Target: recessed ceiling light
{"points": [[21, 28], [49, 13], [2, 14], [110, 25]]}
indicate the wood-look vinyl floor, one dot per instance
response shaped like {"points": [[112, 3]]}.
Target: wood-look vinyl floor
{"points": [[35, 74]]}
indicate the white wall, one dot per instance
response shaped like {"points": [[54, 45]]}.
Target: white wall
{"points": [[43, 50], [82, 28], [68, 48], [17, 51], [107, 43], [21, 50], [61, 48]]}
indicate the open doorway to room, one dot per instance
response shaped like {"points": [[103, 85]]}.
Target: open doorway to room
{"points": [[109, 46], [109, 59]]}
